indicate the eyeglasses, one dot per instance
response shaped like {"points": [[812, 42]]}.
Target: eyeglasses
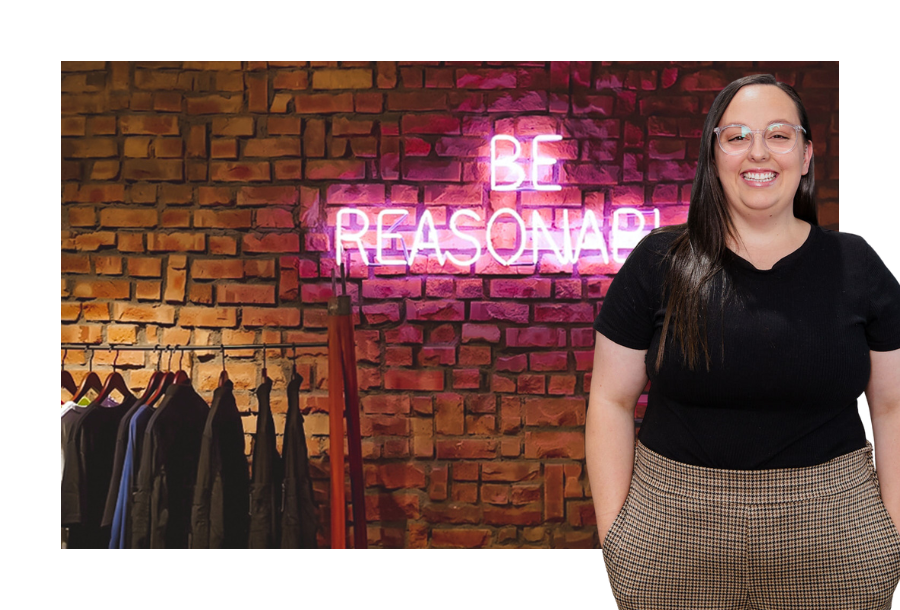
{"points": [[779, 138]]}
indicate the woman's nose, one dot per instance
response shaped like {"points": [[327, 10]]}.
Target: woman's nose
{"points": [[758, 149]]}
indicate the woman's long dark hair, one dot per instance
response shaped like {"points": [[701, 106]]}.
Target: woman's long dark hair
{"points": [[696, 256]]}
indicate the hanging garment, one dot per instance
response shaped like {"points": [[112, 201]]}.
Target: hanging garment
{"points": [[112, 494], [298, 520], [220, 514], [120, 536], [69, 415], [90, 449], [162, 506], [265, 485]]}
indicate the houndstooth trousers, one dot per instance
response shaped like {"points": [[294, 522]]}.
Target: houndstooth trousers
{"points": [[695, 538]]}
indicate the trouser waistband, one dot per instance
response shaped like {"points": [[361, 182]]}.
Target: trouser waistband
{"points": [[753, 486]]}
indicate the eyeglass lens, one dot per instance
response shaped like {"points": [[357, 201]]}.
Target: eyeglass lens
{"points": [[778, 137]]}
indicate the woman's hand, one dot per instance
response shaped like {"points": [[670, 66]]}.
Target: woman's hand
{"points": [[603, 526]]}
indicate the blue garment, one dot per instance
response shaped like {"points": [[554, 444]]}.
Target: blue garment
{"points": [[136, 428]]}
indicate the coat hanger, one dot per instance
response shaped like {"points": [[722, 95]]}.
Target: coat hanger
{"points": [[154, 380], [295, 374], [181, 376], [223, 376], [115, 381], [164, 382], [265, 371], [91, 381], [68, 382]]}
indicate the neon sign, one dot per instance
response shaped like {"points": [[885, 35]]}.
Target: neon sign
{"points": [[426, 236], [537, 161], [467, 235]]}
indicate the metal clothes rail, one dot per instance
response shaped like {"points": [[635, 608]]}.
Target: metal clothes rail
{"points": [[178, 348]]}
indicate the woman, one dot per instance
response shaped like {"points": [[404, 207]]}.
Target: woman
{"points": [[752, 483]]}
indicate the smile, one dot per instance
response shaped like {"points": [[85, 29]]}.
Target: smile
{"points": [[760, 177]]}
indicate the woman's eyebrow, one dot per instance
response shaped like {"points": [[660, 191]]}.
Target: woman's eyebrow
{"points": [[767, 124]]}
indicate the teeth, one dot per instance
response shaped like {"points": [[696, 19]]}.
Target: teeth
{"points": [[760, 177]]}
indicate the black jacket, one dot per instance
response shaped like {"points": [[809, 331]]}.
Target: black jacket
{"points": [[219, 517], [265, 484], [298, 521], [161, 517]]}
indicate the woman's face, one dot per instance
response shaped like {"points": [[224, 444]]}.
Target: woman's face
{"points": [[758, 181]]}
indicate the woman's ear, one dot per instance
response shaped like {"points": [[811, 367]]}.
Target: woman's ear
{"points": [[807, 157]]}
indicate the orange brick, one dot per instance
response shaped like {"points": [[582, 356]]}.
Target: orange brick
{"points": [[102, 289], [176, 278], [208, 316], [108, 265], [147, 290], [128, 218], [149, 124], [176, 336], [222, 245], [228, 171], [214, 269], [73, 263], [259, 267], [144, 267], [105, 170], [121, 333], [342, 79], [176, 242], [159, 314], [201, 294], [137, 148], [94, 241], [245, 293], [131, 242], [82, 216], [70, 312], [278, 316], [81, 333], [95, 312], [233, 126]]}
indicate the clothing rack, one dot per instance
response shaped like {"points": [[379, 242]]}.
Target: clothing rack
{"points": [[344, 403]]}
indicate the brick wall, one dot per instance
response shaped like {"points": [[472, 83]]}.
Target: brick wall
{"points": [[199, 201]]}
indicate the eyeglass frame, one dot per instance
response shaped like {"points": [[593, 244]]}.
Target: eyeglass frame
{"points": [[753, 132]]}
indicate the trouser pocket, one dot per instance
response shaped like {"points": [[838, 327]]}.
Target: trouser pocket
{"points": [[616, 524]]}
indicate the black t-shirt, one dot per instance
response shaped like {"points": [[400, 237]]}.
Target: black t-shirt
{"points": [[789, 353]]}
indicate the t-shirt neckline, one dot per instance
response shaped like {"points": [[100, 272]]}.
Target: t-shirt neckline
{"points": [[782, 262]]}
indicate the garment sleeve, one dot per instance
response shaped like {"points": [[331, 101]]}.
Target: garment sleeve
{"points": [[627, 311], [140, 512], [883, 319]]}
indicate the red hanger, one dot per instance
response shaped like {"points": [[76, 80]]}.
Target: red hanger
{"points": [[115, 381], [90, 382], [181, 376], [68, 382], [164, 382], [155, 378]]}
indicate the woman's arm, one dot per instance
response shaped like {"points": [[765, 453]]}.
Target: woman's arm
{"points": [[617, 381], [883, 396]]}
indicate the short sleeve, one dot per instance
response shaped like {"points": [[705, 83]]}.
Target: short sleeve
{"points": [[627, 314], [883, 319]]}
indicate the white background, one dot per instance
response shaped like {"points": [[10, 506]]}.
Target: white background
{"points": [[38, 574]]}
